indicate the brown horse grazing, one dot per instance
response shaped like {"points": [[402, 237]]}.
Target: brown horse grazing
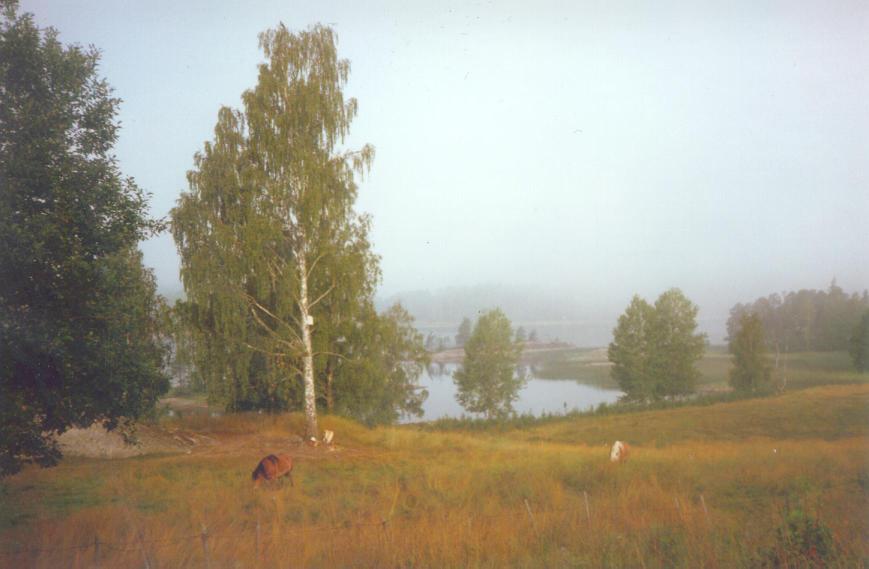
{"points": [[273, 467]]}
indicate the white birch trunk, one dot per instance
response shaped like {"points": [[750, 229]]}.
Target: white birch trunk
{"points": [[311, 429]]}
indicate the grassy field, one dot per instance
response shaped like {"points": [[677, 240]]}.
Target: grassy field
{"points": [[796, 371], [744, 484]]}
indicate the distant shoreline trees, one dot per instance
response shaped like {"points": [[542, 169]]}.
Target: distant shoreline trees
{"points": [[655, 348], [804, 320], [859, 348]]}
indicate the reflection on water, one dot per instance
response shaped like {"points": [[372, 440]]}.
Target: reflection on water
{"points": [[537, 397]]}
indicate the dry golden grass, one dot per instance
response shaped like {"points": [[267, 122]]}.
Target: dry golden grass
{"points": [[459, 499]]}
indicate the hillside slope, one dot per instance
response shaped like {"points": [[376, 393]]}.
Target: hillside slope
{"points": [[730, 485]]}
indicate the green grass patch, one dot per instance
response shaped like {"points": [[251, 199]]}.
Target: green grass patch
{"points": [[794, 371]]}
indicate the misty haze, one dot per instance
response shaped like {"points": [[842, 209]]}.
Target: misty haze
{"points": [[391, 284]]}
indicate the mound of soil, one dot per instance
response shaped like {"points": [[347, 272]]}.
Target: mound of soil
{"points": [[96, 442]]}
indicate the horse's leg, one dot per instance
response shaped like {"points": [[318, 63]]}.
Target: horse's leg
{"points": [[290, 476]]}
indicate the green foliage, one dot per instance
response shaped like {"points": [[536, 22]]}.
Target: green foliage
{"points": [[801, 541], [805, 320], [655, 348], [275, 262], [277, 265], [521, 335], [750, 371], [630, 350], [487, 381], [79, 339], [859, 348], [378, 382]]}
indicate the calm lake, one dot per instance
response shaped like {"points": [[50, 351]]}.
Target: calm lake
{"points": [[539, 395]]}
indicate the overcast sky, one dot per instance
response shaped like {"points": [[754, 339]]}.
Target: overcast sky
{"points": [[602, 148]]}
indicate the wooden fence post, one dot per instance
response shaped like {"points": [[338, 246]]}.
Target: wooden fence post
{"points": [[97, 551], [145, 556], [705, 511], [587, 509], [256, 543], [204, 536], [531, 516], [386, 537]]}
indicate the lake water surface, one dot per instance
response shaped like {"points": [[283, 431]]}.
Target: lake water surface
{"points": [[537, 397]]}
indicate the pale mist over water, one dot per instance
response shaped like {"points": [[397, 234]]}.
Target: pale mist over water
{"points": [[537, 397]]}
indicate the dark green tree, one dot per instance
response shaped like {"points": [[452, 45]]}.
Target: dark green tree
{"points": [[464, 332], [488, 381], [751, 372], [521, 335], [860, 344], [79, 318]]}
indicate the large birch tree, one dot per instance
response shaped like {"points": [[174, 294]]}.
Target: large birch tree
{"points": [[268, 216]]}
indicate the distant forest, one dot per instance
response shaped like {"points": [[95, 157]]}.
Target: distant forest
{"points": [[806, 320]]}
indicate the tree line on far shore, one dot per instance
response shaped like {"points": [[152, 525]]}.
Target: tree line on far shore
{"points": [[805, 320], [655, 348]]}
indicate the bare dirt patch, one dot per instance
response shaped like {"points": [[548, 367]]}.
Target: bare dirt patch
{"points": [[96, 442]]}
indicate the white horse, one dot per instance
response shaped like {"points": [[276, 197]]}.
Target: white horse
{"points": [[619, 452]]}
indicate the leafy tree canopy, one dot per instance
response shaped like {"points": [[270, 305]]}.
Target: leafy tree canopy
{"points": [[488, 381], [79, 338], [277, 265], [378, 382], [655, 348]]}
